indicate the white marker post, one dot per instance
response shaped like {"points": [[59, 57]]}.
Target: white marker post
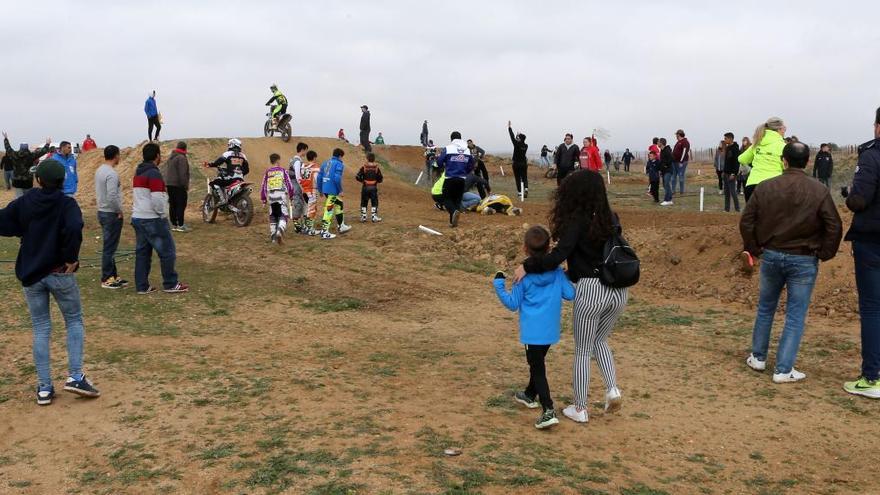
{"points": [[608, 173], [522, 191], [502, 170], [428, 231], [702, 190], [419, 179]]}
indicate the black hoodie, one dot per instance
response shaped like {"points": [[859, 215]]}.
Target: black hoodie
{"points": [[519, 149], [50, 225]]}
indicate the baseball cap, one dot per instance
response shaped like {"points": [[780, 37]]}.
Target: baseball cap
{"points": [[50, 170]]}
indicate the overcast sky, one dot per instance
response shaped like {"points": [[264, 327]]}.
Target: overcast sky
{"points": [[636, 68]]}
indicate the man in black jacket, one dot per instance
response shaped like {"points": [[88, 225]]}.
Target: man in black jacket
{"points": [[566, 158], [730, 171], [666, 171], [22, 162], [365, 128], [823, 165], [864, 233], [520, 162]]}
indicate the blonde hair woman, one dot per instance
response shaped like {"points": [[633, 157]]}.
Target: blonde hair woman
{"points": [[765, 155]]}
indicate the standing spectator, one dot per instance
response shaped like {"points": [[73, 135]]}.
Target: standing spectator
{"points": [[652, 168], [584, 155], [581, 222], [457, 162], [89, 144], [6, 165], [545, 161], [150, 223], [864, 233], [520, 162], [654, 146], [380, 139], [595, 159], [431, 169], [792, 223], [108, 195], [607, 157], [341, 135], [365, 128], [823, 165], [627, 159], [764, 157], [177, 182], [153, 119], [423, 137], [67, 159], [681, 155], [743, 169], [666, 169], [22, 161], [719, 166], [50, 227], [480, 166], [566, 157], [730, 171]]}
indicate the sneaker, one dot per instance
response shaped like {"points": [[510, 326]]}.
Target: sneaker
{"points": [[747, 262], [111, 283], [666, 203], [862, 386], [755, 364], [613, 401], [81, 386], [525, 400], [438, 206], [45, 395], [344, 228], [184, 228], [546, 419], [454, 221], [376, 219], [175, 228], [179, 287], [571, 412], [148, 290], [122, 282], [327, 235], [790, 377]]}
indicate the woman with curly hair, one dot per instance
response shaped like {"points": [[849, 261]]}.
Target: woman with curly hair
{"points": [[581, 222]]}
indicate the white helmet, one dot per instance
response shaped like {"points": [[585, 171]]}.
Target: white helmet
{"points": [[233, 143]]}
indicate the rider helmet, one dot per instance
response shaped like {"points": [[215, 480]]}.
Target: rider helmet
{"points": [[234, 144], [273, 87]]}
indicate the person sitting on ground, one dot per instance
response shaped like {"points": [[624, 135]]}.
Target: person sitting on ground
{"points": [[341, 135], [231, 166], [280, 102], [50, 226], [276, 190], [791, 222], [538, 298], [370, 176]]}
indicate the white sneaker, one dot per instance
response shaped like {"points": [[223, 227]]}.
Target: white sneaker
{"points": [[573, 414], [327, 235], [344, 228], [755, 364], [612, 401], [790, 377], [666, 203]]}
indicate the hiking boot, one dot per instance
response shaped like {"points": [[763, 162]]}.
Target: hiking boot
{"points": [[525, 400], [613, 401], [45, 395], [571, 412], [111, 283], [790, 377], [863, 387], [756, 364], [81, 386], [327, 235], [454, 220], [344, 228], [149, 290], [178, 287], [546, 419]]}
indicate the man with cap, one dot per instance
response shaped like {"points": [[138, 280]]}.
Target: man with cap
{"points": [[50, 227], [22, 162], [365, 128], [792, 224]]}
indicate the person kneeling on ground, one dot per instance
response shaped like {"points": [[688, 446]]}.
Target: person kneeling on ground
{"points": [[498, 203], [538, 298], [50, 226], [437, 192], [792, 223]]}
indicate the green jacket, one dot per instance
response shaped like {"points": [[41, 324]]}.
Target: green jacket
{"points": [[765, 158], [437, 190]]}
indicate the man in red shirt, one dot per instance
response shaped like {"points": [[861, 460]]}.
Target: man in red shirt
{"points": [[89, 144], [589, 156]]}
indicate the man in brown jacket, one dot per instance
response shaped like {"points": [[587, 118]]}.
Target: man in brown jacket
{"points": [[791, 223], [176, 175]]}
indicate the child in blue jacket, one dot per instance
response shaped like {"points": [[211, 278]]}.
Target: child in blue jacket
{"points": [[538, 298], [652, 168], [329, 182]]}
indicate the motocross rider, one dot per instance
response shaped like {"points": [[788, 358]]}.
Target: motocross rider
{"points": [[280, 99], [230, 166]]}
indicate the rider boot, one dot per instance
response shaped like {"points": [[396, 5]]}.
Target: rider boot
{"points": [[375, 215], [363, 214]]}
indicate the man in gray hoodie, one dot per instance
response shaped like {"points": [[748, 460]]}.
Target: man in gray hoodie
{"points": [[108, 194]]}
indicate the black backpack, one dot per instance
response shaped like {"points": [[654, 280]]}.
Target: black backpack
{"points": [[620, 266]]}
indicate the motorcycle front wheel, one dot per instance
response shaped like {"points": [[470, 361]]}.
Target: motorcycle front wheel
{"points": [[245, 213], [209, 212], [285, 133], [267, 129]]}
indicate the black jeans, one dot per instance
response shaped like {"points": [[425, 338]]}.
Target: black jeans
{"points": [[176, 204], [370, 194], [747, 192], [720, 175], [626, 166], [480, 171], [730, 192], [538, 385], [111, 227], [520, 174], [561, 173], [453, 189], [655, 190], [153, 122], [365, 141]]}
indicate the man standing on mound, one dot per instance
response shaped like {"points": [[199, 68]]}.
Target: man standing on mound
{"points": [[365, 129], [791, 223], [50, 226], [458, 162], [152, 116]]}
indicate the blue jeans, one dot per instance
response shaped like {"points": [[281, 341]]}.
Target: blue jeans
{"points": [[469, 200], [150, 234], [798, 274], [867, 260], [111, 225], [668, 185], [65, 290], [7, 178], [680, 171]]}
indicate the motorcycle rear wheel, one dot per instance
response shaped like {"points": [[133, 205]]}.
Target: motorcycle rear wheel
{"points": [[245, 213], [285, 133], [209, 211]]}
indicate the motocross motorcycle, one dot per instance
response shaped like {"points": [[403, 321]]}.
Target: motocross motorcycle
{"points": [[280, 125], [238, 203]]}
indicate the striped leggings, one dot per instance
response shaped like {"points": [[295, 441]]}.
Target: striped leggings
{"points": [[596, 310]]}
